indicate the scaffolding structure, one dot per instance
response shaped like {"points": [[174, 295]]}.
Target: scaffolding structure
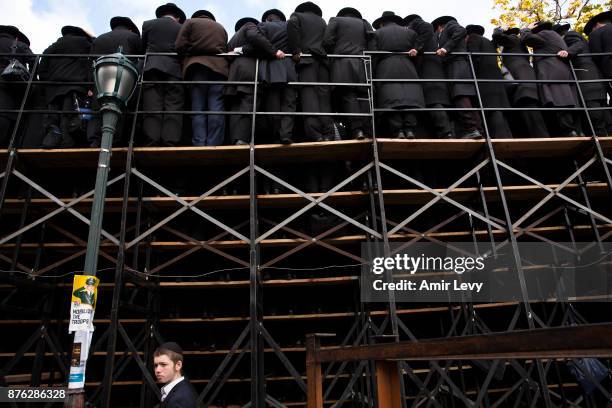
{"points": [[184, 260]]}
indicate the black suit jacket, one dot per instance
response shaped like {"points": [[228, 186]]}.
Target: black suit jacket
{"points": [[77, 69], [108, 43], [600, 40], [159, 35], [182, 395]]}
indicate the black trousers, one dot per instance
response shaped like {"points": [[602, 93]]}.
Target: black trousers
{"points": [[8, 102], [397, 121], [67, 123], [468, 121], [598, 118], [316, 99], [498, 125], [162, 128], [240, 125], [351, 102], [278, 98], [440, 120], [567, 122], [535, 125]]}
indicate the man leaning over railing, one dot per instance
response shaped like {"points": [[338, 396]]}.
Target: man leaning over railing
{"points": [[65, 130], [12, 41]]}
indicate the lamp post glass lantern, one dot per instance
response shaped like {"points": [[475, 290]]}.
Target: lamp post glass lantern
{"points": [[115, 78]]}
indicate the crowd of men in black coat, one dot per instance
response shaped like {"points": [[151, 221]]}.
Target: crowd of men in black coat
{"points": [[311, 54]]}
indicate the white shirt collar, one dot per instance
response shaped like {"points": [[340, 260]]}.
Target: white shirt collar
{"points": [[168, 387]]}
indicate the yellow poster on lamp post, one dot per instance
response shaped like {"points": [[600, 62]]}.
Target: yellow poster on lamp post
{"points": [[83, 303]]}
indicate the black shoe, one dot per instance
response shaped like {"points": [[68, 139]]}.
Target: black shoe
{"points": [[276, 190], [448, 135], [400, 135], [359, 135], [573, 133], [409, 134], [286, 140], [240, 143], [319, 139], [151, 143]]}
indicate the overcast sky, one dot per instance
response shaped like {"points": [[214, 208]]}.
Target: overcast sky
{"points": [[41, 20]]}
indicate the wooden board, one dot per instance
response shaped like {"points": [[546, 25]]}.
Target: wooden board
{"points": [[338, 151], [342, 198]]}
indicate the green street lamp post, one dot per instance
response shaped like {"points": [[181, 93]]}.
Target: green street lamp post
{"points": [[115, 77]]}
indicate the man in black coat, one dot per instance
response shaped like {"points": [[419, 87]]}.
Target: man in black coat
{"points": [[594, 93], [61, 129], [430, 67], [599, 30], [347, 34], [177, 392], [392, 36], [523, 94], [239, 98], [451, 39], [270, 41], [305, 30], [159, 35], [11, 93], [126, 35], [544, 40], [492, 94]]}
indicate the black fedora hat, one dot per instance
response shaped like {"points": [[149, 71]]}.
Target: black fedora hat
{"points": [[23, 38], [66, 30], [606, 15], [475, 29], [203, 13], [561, 28], [349, 11], [387, 16], [309, 6], [14, 32], [542, 25], [125, 22], [410, 18], [243, 21], [170, 9], [9, 29], [442, 20], [513, 31], [276, 12]]}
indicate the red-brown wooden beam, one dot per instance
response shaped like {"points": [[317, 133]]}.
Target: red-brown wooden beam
{"points": [[594, 340]]}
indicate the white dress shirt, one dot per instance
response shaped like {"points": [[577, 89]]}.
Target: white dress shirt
{"points": [[168, 387]]}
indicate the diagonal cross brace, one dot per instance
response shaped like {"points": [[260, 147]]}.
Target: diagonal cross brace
{"points": [[555, 192], [63, 207], [316, 201], [441, 196], [191, 205]]}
